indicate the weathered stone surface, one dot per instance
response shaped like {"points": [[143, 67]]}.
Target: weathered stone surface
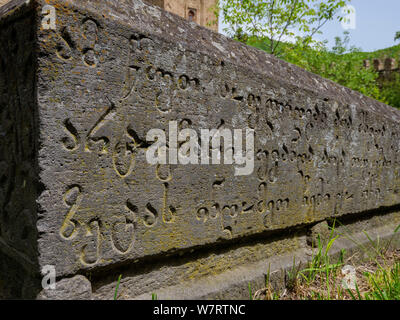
{"points": [[78, 101], [3, 2], [221, 278], [319, 234], [76, 288], [19, 187]]}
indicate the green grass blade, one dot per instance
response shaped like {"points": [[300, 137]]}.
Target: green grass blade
{"points": [[116, 288], [358, 293], [351, 294], [328, 247], [250, 294], [379, 292]]}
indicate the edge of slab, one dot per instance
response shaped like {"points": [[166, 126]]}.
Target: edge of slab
{"points": [[13, 6], [172, 28]]}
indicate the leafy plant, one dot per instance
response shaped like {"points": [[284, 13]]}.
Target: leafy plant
{"points": [[397, 36], [277, 20], [390, 91], [342, 64]]}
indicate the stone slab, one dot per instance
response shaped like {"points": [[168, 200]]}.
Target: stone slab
{"points": [[80, 99], [106, 78]]}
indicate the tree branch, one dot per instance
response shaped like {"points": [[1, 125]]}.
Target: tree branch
{"points": [[287, 24], [271, 28]]}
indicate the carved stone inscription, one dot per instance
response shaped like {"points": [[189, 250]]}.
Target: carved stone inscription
{"points": [[104, 87]]}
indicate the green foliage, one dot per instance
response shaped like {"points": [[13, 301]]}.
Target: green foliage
{"points": [[342, 64], [266, 23], [384, 283], [397, 36], [320, 262], [116, 288], [277, 19], [323, 280], [390, 91], [250, 292]]}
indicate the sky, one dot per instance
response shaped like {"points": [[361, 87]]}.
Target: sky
{"points": [[375, 25]]}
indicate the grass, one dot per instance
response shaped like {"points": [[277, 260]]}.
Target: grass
{"points": [[116, 288], [322, 279], [383, 284], [378, 278], [153, 295], [250, 292]]}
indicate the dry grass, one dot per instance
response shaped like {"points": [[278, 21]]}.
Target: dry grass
{"points": [[329, 285], [378, 278]]}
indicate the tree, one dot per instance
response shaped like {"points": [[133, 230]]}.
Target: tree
{"points": [[342, 45], [277, 20], [342, 64], [397, 36]]}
